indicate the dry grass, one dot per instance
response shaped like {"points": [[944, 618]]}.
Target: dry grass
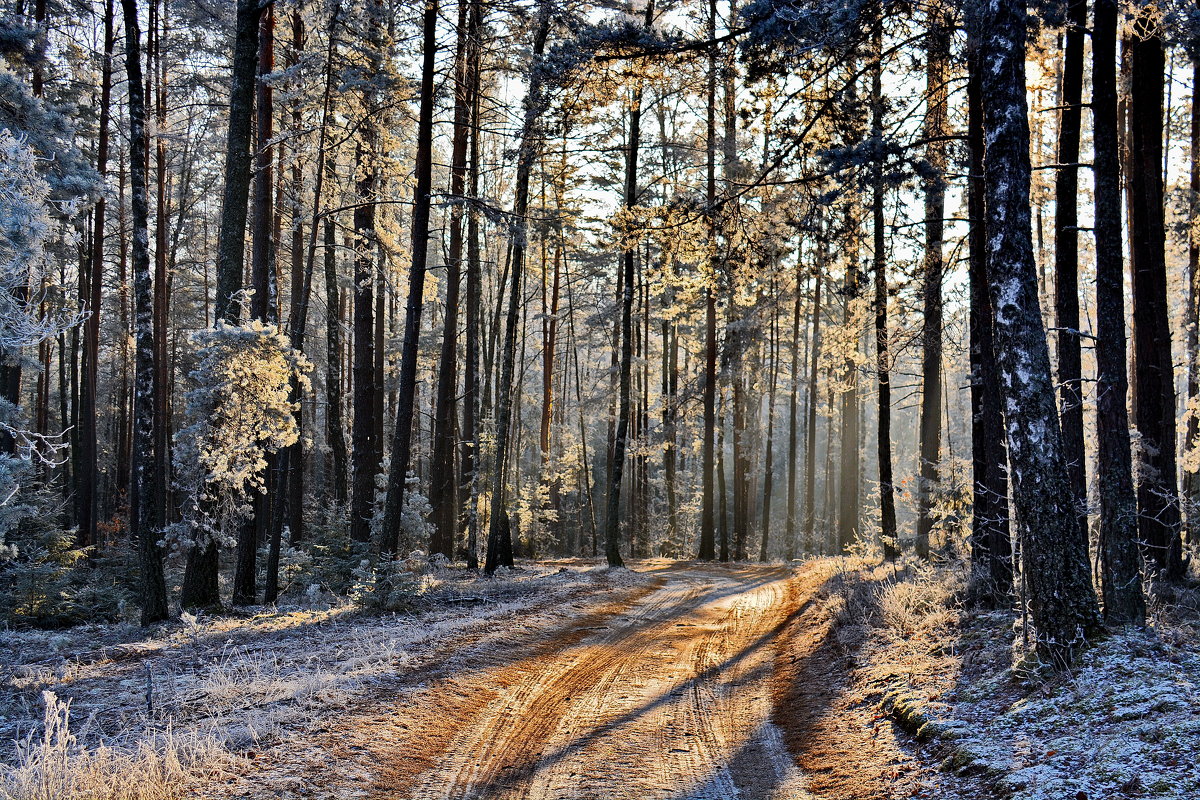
{"points": [[54, 766]]}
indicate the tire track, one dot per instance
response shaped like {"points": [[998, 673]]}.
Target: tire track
{"points": [[669, 702]]}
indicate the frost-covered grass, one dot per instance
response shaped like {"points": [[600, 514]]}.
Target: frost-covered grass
{"points": [[1123, 722], [209, 690]]}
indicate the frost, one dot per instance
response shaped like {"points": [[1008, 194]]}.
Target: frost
{"points": [[240, 411]]}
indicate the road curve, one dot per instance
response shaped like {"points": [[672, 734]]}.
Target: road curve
{"points": [[668, 698]]}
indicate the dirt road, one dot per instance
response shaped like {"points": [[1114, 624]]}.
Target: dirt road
{"points": [[667, 698]]}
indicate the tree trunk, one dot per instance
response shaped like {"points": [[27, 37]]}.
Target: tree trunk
{"points": [[364, 454], [200, 585], [499, 545], [937, 54], [991, 545], [443, 494], [769, 449], [612, 550], [1119, 557], [883, 367], [144, 524], [707, 514], [1055, 557], [402, 436], [470, 458], [810, 425], [1066, 258], [1191, 437], [262, 259], [88, 477], [848, 496], [1158, 501]]}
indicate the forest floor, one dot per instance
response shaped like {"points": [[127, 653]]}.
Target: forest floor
{"points": [[832, 679], [555, 680]]}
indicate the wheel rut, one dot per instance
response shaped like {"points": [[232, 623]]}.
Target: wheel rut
{"points": [[665, 699]]}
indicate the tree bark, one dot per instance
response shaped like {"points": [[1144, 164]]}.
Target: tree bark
{"points": [[1191, 437], [405, 406], [262, 259], [1055, 557], [443, 494], [144, 524], [930, 445], [1154, 392], [883, 367], [1066, 257], [1119, 557], [707, 513], [200, 585], [991, 544], [810, 425], [86, 495]]}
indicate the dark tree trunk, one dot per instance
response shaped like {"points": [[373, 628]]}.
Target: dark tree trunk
{"points": [[1066, 258], [628, 253], [86, 495], [883, 367], [365, 449], [991, 544], [769, 449], [930, 445], [231, 238], [262, 259], [443, 493], [162, 285], [793, 414], [1154, 391], [708, 502], [499, 544], [1191, 437], [1119, 557], [810, 424], [470, 459], [1054, 554], [848, 496], [144, 522], [200, 585], [335, 430], [406, 397]]}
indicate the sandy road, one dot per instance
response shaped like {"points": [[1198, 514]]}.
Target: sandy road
{"points": [[668, 697]]}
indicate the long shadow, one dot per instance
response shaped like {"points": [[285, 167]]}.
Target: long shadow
{"points": [[518, 773]]}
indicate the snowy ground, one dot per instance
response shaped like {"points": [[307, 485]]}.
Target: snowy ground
{"points": [[221, 690], [559, 681], [1124, 723]]}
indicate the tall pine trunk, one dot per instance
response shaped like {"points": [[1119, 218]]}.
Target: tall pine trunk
{"points": [[499, 544], [200, 586], [443, 493], [364, 447], [707, 551], [1191, 437], [883, 367], [810, 423], [86, 495], [1154, 392], [1066, 257], [1119, 557], [991, 543], [1054, 554], [407, 383], [261, 308], [937, 50], [145, 487]]}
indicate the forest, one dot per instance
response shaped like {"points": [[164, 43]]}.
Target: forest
{"points": [[837, 361]]}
